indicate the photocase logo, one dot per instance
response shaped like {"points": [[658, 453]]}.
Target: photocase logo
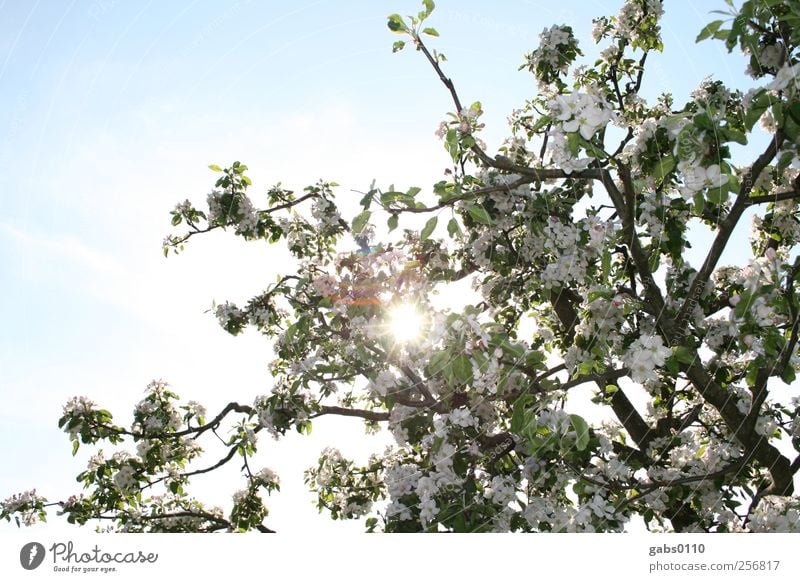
{"points": [[31, 555]]}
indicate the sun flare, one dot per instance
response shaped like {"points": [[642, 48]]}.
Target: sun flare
{"points": [[405, 322]]}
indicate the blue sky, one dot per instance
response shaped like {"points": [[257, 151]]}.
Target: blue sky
{"points": [[110, 112]]}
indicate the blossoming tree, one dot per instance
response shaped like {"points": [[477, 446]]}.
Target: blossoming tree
{"points": [[574, 236]]}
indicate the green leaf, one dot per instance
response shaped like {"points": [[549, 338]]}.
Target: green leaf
{"points": [[759, 104], [360, 221], [597, 294], [392, 222], [536, 360], [543, 121], [684, 355], [479, 214], [735, 135], [703, 121], [451, 143], [215, 168], [391, 197], [462, 368], [437, 363], [784, 161], [663, 167], [718, 195], [429, 6], [429, 228], [398, 45], [586, 368], [430, 31], [708, 30], [605, 261], [453, 228], [519, 418], [794, 111], [743, 306], [699, 203], [788, 375], [366, 201], [592, 149], [733, 184], [396, 23], [654, 261], [75, 446], [581, 431], [752, 373], [778, 113], [574, 143]]}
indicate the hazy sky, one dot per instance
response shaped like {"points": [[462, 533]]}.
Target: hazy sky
{"points": [[110, 112]]}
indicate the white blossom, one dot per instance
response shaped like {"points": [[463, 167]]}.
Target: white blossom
{"points": [[786, 77], [644, 356]]}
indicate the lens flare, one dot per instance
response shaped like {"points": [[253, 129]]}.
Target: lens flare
{"points": [[405, 322]]}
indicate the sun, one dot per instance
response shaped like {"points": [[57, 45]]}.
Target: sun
{"points": [[405, 322]]}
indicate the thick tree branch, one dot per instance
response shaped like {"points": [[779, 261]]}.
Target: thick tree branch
{"points": [[626, 412], [563, 302], [756, 445], [784, 359], [418, 383], [726, 227]]}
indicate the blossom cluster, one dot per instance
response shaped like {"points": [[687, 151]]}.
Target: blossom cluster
{"points": [[328, 219], [28, 504], [645, 354], [776, 514], [230, 317], [557, 49], [344, 490], [226, 208], [157, 412], [631, 16], [697, 177], [580, 112]]}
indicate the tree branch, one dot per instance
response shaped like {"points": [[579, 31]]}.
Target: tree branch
{"points": [[196, 431], [467, 196], [726, 228], [777, 197], [653, 299], [373, 415], [756, 446]]}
